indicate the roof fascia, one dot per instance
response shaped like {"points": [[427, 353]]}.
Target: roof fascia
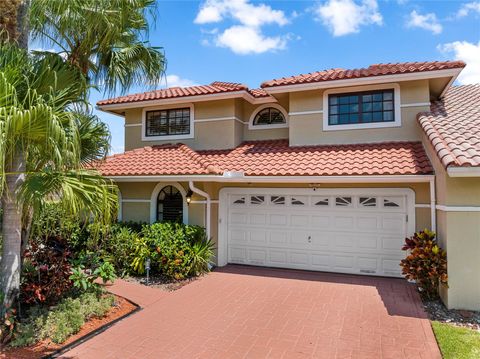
{"points": [[463, 171], [196, 98], [279, 179], [364, 81]]}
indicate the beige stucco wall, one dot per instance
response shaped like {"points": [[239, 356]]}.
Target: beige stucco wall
{"points": [[219, 133], [459, 234], [307, 129]]}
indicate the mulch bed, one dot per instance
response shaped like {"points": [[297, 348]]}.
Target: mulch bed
{"points": [[437, 311], [162, 282], [46, 347]]}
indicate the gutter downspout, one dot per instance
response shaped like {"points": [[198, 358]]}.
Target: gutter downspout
{"points": [[209, 205], [433, 211]]}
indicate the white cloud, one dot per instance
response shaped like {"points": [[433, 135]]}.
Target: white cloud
{"points": [[244, 40], [470, 54], [343, 17], [175, 80], [241, 10], [247, 37], [427, 22], [465, 9]]}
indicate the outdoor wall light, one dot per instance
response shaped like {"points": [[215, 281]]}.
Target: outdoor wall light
{"points": [[189, 196]]}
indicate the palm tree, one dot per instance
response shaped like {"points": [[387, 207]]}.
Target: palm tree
{"points": [[46, 134], [42, 119], [103, 38]]}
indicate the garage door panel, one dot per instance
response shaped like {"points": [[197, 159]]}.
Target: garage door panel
{"points": [[299, 220], [278, 238], [343, 262], [238, 218], [258, 218], [278, 220], [321, 221], [299, 258], [257, 256], [367, 223], [360, 234], [259, 237]]}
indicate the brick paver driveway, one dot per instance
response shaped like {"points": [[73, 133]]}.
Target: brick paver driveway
{"points": [[251, 312]]}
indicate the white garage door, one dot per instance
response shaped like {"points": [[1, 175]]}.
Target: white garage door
{"points": [[337, 230]]}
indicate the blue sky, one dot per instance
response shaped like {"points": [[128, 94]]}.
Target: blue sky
{"points": [[253, 41]]}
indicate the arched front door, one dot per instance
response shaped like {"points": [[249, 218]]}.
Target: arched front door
{"points": [[169, 205]]}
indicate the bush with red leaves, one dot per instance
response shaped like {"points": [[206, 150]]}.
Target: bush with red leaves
{"points": [[46, 272], [426, 263]]}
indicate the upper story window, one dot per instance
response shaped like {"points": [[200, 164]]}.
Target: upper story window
{"points": [[268, 116], [362, 107], [167, 123]]}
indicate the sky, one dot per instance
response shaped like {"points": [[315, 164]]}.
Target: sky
{"points": [[253, 41]]}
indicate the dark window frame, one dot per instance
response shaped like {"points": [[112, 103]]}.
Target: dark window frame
{"points": [[169, 119], [361, 111], [269, 108], [172, 198]]}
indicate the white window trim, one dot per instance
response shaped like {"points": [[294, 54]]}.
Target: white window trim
{"points": [[153, 200], [359, 126], [170, 137], [251, 126]]}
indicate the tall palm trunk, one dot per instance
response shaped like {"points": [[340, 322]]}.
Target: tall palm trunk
{"points": [[12, 232], [11, 260]]}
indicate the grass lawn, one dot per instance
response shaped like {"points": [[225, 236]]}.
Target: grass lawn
{"points": [[457, 343]]}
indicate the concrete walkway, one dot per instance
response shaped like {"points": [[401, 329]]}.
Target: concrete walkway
{"points": [[251, 312]]}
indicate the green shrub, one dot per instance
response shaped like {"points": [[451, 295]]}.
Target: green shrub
{"points": [[175, 250], [62, 321], [426, 263]]}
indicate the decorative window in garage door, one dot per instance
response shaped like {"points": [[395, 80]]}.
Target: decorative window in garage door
{"points": [[257, 199], [367, 201], [277, 200], [238, 199], [321, 201], [298, 200], [343, 201], [392, 202]]}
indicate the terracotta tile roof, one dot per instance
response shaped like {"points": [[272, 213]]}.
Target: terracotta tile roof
{"points": [[173, 92], [372, 70], [167, 159], [453, 126], [274, 158]]}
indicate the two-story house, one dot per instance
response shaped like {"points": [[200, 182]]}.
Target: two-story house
{"points": [[326, 171]]}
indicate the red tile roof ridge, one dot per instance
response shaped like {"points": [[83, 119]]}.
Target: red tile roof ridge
{"points": [[229, 85], [372, 70], [195, 156]]}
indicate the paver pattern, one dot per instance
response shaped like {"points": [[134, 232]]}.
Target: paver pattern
{"points": [[252, 312]]}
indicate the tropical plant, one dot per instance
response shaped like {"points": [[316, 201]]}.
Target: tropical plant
{"points": [[41, 106], [106, 272], [426, 263], [42, 109], [46, 271], [105, 39], [202, 253]]}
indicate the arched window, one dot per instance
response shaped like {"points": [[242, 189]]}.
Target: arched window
{"points": [[269, 116], [170, 205]]}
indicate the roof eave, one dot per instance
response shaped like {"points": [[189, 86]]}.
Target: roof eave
{"points": [[366, 80], [187, 99], [463, 171]]}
